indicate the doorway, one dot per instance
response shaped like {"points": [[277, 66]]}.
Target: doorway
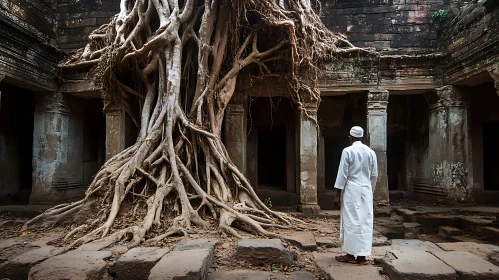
{"points": [[272, 156], [491, 156]]}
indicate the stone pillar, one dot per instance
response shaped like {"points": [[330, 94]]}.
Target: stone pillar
{"points": [[2, 76], [321, 166], [115, 130], [448, 143], [377, 102], [494, 73], [235, 130], [57, 150], [307, 164]]}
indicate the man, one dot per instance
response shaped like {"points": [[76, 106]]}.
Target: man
{"points": [[356, 178]]}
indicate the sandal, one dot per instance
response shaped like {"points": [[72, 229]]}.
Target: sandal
{"points": [[345, 258]]}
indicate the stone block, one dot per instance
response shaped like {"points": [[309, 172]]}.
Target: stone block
{"points": [[329, 268], [264, 251], [19, 266], [430, 223], [469, 266], [477, 249], [202, 243], [138, 262], [304, 240], [392, 232], [473, 223], [465, 238], [493, 258], [408, 215], [75, 265], [414, 244], [412, 230], [490, 234], [188, 264], [14, 246], [397, 195], [416, 264], [252, 274], [449, 231], [96, 245], [325, 241], [380, 240]]}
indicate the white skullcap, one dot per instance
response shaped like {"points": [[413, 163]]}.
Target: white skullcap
{"points": [[357, 132]]}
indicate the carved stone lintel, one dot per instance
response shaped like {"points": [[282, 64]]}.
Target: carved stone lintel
{"points": [[447, 96], [494, 73], [55, 102], [377, 99]]}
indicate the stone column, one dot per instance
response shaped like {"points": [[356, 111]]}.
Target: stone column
{"points": [[307, 165], [235, 130], [377, 102], [494, 73], [2, 76], [448, 143], [57, 150], [115, 130]]}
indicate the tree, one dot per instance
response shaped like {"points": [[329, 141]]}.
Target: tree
{"points": [[173, 66]]}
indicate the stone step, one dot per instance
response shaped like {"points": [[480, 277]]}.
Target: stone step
{"points": [[84, 265], [408, 215], [412, 230], [264, 252], [416, 264], [392, 231], [260, 275], [138, 262], [302, 239], [188, 264], [468, 265], [449, 231], [430, 223], [480, 250], [329, 268], [464, 238], [491, 234], [473, 224], [326, 242]]}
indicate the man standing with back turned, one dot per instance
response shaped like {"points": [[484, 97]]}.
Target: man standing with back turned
{"points": [[356, 179]]}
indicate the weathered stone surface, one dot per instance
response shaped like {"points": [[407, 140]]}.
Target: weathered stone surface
{"points": [[75, 265], [379, 239], [264, 251], [408, 215], [473, 223], [332, 269], [412, 230], [469, 266], [414, 244], [382, 212], [392, 232], [303, 239], [449, 231], [493, 258], [397, 195], [19, 266], [430, 223], [416, 264], [465, 238], [202, 243], [188, 264], [325, 241], [96, 245], [14, 246], [477, 249], [259, 275], [491, 234], [138, 262]]}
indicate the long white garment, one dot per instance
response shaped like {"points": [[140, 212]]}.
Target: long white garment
{"points": [[356, 178]]}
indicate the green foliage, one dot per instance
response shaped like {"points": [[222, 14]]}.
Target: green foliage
{"points": [[268, 202], [273, 267], [440, 16]]}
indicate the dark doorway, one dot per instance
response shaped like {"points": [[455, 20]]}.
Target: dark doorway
{"points": [[272, 156], [395, 156], [16, 143], [94, 139], [333, 146], [491, 156]]}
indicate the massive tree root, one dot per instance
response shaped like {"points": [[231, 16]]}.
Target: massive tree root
{"points": [[173, 65]]}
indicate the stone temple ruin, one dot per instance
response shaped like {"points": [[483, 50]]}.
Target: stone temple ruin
{"points": [[429, 102]]}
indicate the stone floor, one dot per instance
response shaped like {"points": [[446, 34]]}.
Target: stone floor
{"points": [[414, 242]]}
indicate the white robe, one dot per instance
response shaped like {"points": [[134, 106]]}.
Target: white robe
{"points": [[356, 178]]}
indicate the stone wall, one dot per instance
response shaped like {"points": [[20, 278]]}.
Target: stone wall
{"points": [[76, 19], [471, 39], [389, 25]]}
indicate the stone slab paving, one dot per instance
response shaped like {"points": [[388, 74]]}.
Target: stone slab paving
{"points": [[325, 241], [19, 266], [74, 265], [493, 258], [412, 230], [259, 275], [469, 266], [449, 231], [202, 243], [414, 244], [12, 247], [475, 248], [334, 270], [96, 245], [410, 264], [264, 251], [302, 239], [473, 223], [408, 215], [179, 265], [138, 262]]}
